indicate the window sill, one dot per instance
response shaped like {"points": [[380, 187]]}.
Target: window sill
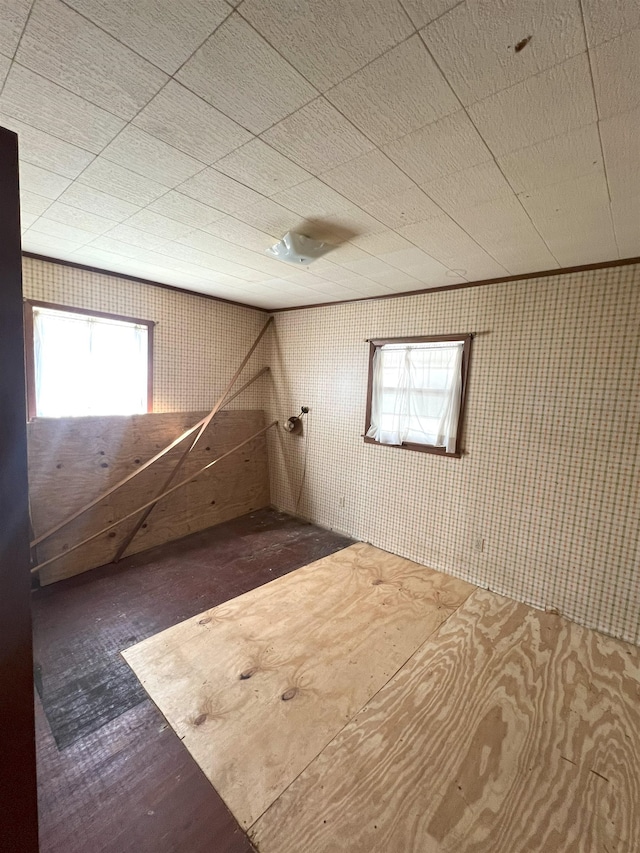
{"points": [[420, 448]]}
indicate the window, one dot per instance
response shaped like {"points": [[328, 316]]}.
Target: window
{"points": [[416, 392], [86, 362]]}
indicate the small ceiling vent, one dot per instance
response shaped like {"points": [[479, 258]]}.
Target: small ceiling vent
{"points": [[298, 249]]}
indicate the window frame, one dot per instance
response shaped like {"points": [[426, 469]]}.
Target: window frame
{"points": [[30, 369], [376, 343]]}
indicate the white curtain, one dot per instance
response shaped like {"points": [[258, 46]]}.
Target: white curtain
{"points": [[88, 365], [416, 393]]}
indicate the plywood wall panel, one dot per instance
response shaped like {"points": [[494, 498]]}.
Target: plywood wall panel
{"points": [[74, 460]]}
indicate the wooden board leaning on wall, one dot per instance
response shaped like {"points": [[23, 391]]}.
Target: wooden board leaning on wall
{"points": [[73, 460]]}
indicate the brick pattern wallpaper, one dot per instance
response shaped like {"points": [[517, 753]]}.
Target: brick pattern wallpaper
{"points": [[198, 343], [544, 506]]}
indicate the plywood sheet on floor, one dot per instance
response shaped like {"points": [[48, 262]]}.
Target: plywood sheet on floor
{"points": [[257, 687], [82, 623], [509, 730]]}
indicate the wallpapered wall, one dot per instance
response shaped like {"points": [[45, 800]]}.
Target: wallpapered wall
{"points": [[544, 507], [198, 342]]}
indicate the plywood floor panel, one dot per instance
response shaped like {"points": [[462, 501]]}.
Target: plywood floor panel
{"points": [[509, 730], [257, 687]]}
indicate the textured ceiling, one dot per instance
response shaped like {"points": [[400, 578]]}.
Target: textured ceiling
{"points": [[428, 140]]}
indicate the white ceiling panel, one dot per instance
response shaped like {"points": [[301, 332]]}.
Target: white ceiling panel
{"points": [[448, 145], [45, 244], [14, 15], [126, 233], [42, 181], [423, 12], [504, 230], [5, 64], [188, 253], [567, 239], [37, 102], [241, 234], [560, 158], [606, 19], [151, 157], [314, 199], [67, 215], [324, 43], [262, 167], [155, 223], [420, 266], [626, 223], [96, 202], [234, 255], [114, 179], [32, 203], [483, 46], [469, 187], [550, 204], [61, 230], [549, 104], [26, 220], [444, 240], [621, 144], [219, 191], [616, 74], [570, 213], [318, 137], [367, 178], [339, 121], [69, 50], [381, 243], [48, 152], [400, 92], [184, 120], [182, 208], [268, 216], [238, 72], [403, 208], [166, 32]]}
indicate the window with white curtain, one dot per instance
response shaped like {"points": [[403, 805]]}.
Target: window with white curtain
{"points": [[83, 363], [416, 392]]}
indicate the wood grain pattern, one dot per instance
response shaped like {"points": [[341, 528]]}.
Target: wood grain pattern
{"points": [[509, 730], [73, 460], [257, 687]]}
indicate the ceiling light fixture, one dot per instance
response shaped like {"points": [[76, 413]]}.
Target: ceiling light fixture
{"points": [[297, 249]]}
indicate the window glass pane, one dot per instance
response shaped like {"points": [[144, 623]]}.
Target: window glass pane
{"points": [[416, 393], [89, 365]]}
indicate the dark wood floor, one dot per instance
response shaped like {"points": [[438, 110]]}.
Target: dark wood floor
{"points": [[112, 776]]}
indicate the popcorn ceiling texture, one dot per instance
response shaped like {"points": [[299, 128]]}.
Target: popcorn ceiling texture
{"points": [[544, 507], [198, 342]]}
